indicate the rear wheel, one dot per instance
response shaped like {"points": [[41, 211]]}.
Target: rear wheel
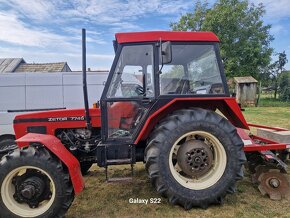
{"points": [[194, 158], [34, 184]]}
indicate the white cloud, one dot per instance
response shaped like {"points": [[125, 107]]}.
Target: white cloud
{"points": [[15, 31], [37, 9], [91, 36], [276, 9], [276, 29], [22, 21], [49, 31], [109, 12]]}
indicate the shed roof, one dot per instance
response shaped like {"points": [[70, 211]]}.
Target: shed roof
{"points": [[45, 67], [9, 64], [245, 79]]}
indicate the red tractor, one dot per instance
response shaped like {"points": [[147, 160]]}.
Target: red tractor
{"points": [[159, 106]]}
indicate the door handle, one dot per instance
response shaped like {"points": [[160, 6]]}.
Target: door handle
{"points": [[146, 100]]}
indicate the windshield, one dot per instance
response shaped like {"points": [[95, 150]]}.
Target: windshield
{"points": [[193, 70]]}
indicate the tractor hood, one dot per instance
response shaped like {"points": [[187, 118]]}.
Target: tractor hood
{"points": [[55, 115], [47, 122]]}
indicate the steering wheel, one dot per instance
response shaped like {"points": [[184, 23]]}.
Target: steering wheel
{"points": [[139, 90]]}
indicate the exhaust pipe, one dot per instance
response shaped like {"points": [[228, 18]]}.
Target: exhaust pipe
{"points": [[85, 88]]}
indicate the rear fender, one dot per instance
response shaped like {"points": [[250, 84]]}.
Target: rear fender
{"points": [[227, 105], [56, 147]]}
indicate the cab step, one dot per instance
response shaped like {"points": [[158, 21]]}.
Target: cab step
{"points": [[116, 154], [119, 161]]}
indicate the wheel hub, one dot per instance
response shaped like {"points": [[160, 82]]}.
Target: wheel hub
{"points": [[31, 188], [274, 183], [28, 192], [195, 158]]}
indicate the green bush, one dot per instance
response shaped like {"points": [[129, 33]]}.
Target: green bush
{"points": [[284, 86]]}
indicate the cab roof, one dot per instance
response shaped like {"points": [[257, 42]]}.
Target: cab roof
{"points": [[166, 36]]}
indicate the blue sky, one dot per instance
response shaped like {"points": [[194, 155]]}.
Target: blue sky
{"points": [[50, 31]]}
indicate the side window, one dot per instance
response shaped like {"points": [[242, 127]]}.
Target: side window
{"points": [[193, 70], [133, 73], [204, 70]]}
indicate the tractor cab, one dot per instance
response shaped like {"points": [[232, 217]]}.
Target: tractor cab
{"points": [[153, 68]]}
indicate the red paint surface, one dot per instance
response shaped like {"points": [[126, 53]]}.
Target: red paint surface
{"points": [[166, 36], [21, 128], [227, 105], [125, 110], [55, 146], [267, 127], [265, 145]]}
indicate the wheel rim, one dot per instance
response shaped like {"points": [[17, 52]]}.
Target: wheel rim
{"points": [[206, 178], [23, 209]]}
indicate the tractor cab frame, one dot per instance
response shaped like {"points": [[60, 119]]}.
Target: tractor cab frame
{"points": [[153, 71], [138, 80]]}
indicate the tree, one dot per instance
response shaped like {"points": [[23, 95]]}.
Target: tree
{"points": [[192, 21], [284, 85], [276, 69], [245, 40]]}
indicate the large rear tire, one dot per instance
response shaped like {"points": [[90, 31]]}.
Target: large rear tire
{"points": [[194, 158], [33, 183]]}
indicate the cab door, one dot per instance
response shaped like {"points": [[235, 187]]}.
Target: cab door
{"points": [[129, 92]]}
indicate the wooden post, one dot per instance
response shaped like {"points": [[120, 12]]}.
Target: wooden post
{"points": [[259, 93]]}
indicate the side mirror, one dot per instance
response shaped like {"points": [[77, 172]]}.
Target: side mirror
{"points": [[166, 52]]}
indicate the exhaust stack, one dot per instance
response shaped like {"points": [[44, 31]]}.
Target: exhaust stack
{"points": [[85, 88]]}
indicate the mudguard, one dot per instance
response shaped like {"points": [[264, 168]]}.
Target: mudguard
{"points": [[56, 147], [227, 106]]}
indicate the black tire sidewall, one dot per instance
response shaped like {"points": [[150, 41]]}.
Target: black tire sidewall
{"points": [[228, 179], [50, 168]]}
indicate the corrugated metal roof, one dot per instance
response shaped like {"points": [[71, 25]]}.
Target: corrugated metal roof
{"points": [[45, 67], [10, 64], [245, 79]]}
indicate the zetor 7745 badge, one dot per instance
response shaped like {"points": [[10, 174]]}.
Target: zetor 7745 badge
{"points": [[60, 119]]}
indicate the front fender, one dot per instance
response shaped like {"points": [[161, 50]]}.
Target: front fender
{"points": [[56, 147]]}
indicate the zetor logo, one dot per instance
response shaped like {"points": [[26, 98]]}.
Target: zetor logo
{"points": [[61, 119]]}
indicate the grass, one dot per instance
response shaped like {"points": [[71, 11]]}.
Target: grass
{"points": [[271, 116], [267, 100], [101, 199], [271, 102]]}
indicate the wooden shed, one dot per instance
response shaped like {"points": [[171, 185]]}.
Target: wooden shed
{"points": [[246, 90]]}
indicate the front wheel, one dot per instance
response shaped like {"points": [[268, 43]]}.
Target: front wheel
{"points": [[33, 184], [194, 158], [7, 145]]}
